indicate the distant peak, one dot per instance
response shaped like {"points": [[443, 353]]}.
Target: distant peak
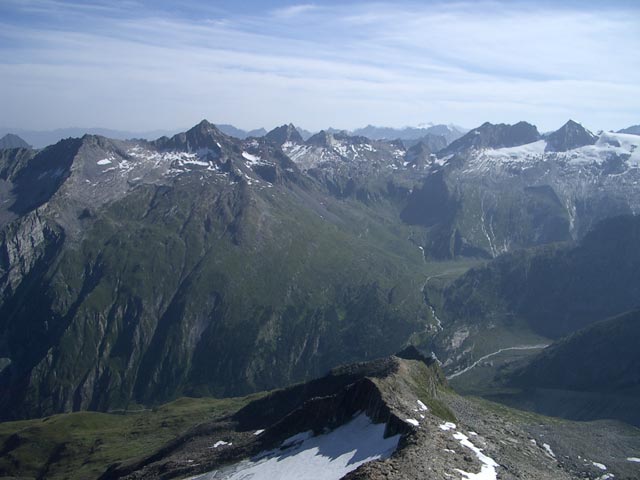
{"points": [[571, 135], [203, 135], [285, 133], [11, 140], [501, 135], [205, 125], [323, 138]]}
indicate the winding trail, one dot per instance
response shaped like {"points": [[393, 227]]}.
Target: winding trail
{"points": [[481, 359]]}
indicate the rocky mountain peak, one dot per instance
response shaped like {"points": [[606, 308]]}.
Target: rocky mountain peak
{"points": [[283, 134], [204, 132], [489, 135], [204, 135], [419, 155], [322, 139], [571, 135], [11, 140]]}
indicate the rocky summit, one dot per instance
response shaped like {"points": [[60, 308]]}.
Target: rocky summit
{"points": [[571, 135]]}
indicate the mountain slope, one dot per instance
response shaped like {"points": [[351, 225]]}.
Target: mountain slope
{"points": [[590, 374], [601, 357], [484, 198], [539, 294], [197, 264]]}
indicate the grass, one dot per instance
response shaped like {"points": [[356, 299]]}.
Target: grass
{"points": [[427, 386], [81, 445]]}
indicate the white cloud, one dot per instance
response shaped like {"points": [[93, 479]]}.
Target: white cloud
{"points": [[344, 66], [294, 10]]}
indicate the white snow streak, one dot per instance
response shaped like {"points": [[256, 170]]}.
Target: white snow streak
{"points": [[220, 443], [252, 158], [488, 469], [548, 449]]}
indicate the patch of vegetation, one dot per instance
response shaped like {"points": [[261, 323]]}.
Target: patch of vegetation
{"points": [[428, 383], [82, 444]]}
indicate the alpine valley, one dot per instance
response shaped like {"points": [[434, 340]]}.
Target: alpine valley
{"points": [[266, 304]]}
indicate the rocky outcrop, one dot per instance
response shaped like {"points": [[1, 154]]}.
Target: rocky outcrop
{"points": [[23, 244]]}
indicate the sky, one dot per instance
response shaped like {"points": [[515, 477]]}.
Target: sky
{"points": [[141, 65]]}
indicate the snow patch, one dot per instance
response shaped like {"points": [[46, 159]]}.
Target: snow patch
{"points": [[447, 426], [252, 158], [548, 449], [220, 443], [421, 405], [258, 432], [488, 469], [633, 459], [599, 465], [104, 161], [324, 457], [412, 421]]}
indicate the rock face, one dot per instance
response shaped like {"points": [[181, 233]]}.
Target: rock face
{"points": [[571, 135], [12, 141]]}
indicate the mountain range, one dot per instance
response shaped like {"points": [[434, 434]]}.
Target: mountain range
{"points": [[43, 138], [134, 272], [274, 252]]}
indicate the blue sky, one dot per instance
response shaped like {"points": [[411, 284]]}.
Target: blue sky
{"points": [[143, 65]]}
